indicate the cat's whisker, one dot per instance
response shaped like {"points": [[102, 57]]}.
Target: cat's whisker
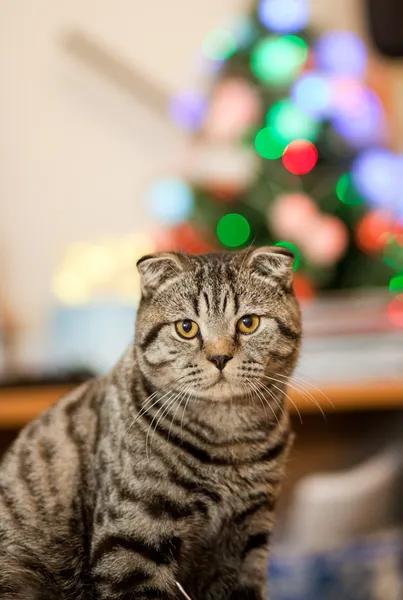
{"points": [[146, 406], [271, 379], [140, 413], [297, 377], [189, 395], [163, 410], [248, 393], [258, 395], [177, 408], [303, 391], [177, 398], [273, 397], [263, 400]]}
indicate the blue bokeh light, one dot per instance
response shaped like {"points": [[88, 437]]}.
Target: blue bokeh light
{"points": [[284, 16], [342, 53], [376, 175], [188, 109], [312, 93], [362, 121], [170, 201]]}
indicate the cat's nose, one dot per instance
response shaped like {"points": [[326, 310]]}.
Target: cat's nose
{"points": [[220, 360]]}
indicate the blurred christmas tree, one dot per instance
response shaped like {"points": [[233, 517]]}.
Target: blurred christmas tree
{"points": [[289, 148]]}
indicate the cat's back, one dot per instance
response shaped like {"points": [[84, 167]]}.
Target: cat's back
{"points": [[44, 501], [47, 466]]}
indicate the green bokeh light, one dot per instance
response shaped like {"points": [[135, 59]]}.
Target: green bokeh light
{"points": [[294, 250], [277, 60], [290, 123], [268, 145], [233, 230], [219, 44], [393, 255], [346, 192], [396, 284]]}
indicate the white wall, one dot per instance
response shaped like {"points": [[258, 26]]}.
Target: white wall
{"points": [[75, 153]]}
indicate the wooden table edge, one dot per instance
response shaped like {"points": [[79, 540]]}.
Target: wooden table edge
{"points": [[22, 404]]}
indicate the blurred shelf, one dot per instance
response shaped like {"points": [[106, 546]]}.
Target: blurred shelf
{"points": [[18, 405], [21, 404], [369, 395]]}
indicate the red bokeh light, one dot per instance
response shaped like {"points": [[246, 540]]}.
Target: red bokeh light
{"points": [[395, 311], [300, 157], [303, 288], [398, 231], [373, 231], [183, 237]]}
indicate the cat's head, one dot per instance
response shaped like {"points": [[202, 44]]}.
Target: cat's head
{"points": [[217, 324]]}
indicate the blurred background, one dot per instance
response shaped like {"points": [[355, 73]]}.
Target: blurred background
{"points": [[130, 127]]}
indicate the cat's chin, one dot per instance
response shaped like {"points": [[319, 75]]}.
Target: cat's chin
{"points": [[220, 390]]}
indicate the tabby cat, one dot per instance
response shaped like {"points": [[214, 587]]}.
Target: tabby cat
{"points": [[165, 473]]}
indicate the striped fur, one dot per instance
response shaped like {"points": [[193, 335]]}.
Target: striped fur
{"points": [[167, 469]]}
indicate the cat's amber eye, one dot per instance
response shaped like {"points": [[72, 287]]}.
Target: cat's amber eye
{"points": [[187, 329], [248, 324]]}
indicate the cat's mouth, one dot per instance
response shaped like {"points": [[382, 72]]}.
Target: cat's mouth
{"points": [[220, 379]]}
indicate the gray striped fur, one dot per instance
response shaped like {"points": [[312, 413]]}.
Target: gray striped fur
{"points": [[161, 472]]}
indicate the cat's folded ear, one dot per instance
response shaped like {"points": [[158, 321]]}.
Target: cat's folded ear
{"points": [[272, 263], [157, 270]]}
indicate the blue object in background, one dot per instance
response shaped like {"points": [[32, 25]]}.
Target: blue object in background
{"points": [[367, 569], [376, 172], [284, 16], [341, 53], [170, 201], [312, 93], [93, 336], [188, 109]]}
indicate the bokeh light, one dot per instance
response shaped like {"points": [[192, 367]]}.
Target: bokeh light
{"points": [[396, 284], [393, 254], [397, 230], [303, 288], [207, 66], [373, 231], [188, 109], [284, 16], [185, 236], [346, 191], [235, 106], [294, 250], [219, 44], [313, 94], [268, 145], [324, 239], [290, 122], [289, 213], [243, 29], [341, 52], [277, 61], [300, 157], [375, 175], [233, 230], [101, 269], [360, 118], [170, 201], [395, 311]]}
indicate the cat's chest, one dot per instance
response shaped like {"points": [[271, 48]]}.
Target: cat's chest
{"points": [[224, 497]]}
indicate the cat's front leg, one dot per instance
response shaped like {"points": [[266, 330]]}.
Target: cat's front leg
{"points": [[135, 568], [252, 581], [24, 577]]}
